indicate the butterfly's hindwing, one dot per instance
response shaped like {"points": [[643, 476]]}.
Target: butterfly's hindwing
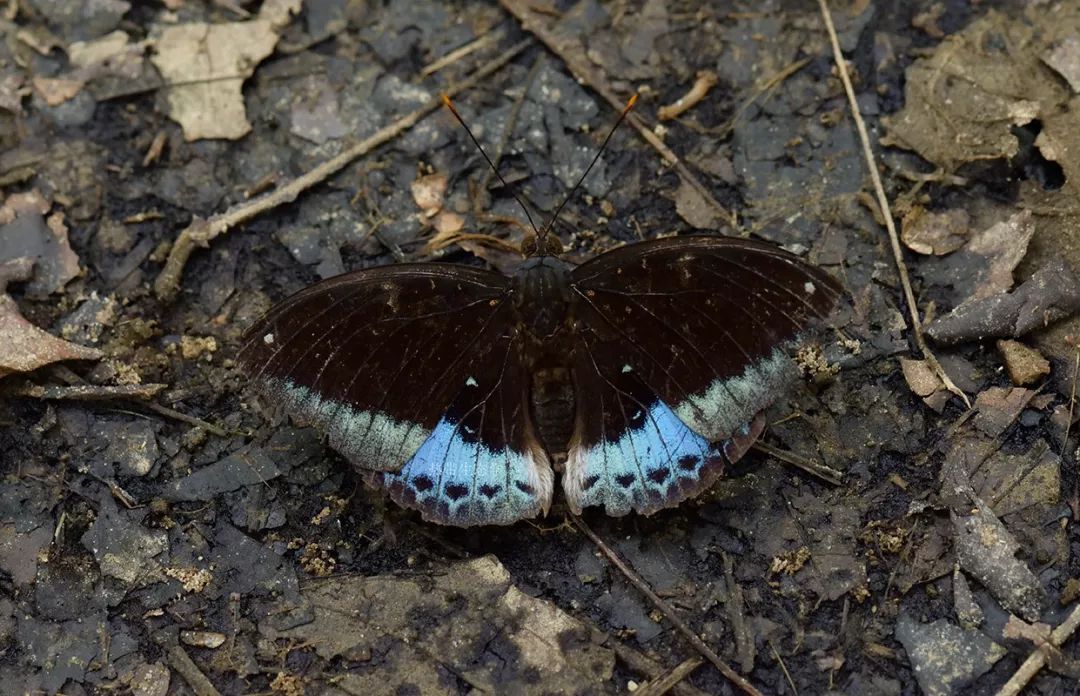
{"points": [[482, 463], [630, 451], [682, 343]]}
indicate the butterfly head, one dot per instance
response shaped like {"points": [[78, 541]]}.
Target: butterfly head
{"points": [[541, 245]]}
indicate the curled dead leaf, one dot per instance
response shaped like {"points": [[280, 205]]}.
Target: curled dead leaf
{"points": [[23, 346], [428, 192]]}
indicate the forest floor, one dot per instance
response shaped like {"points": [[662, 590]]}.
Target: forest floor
{"points": [[164, 181]]}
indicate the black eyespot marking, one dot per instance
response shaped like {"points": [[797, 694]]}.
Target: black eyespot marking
{"points": [[689, 462], [489, 491], [456, 491], [525, 488], [589, 482], [625, 480], [658, 475], [423, 483]]}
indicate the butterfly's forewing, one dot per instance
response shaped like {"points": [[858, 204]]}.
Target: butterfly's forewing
{"points": [[397, 364], [682, 343]]}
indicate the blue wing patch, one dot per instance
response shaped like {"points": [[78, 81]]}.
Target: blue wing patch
{"points": [[456, 479], [646, 468], [631, 451]]}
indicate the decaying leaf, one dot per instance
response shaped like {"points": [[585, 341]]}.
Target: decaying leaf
{"points": [[1025, 365], [23, 346], [694, 209], [987, 551], [469, 619], [25, 232], [205, 66], [962, 101], [941, 233], [946, 657], [428, 192], [1003, 246], [1065, 59], [1050, 295]]}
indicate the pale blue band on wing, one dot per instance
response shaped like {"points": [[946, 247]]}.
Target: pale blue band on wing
{"points": [[647, 468], [452, 480], [726, 405], [368, 439]]}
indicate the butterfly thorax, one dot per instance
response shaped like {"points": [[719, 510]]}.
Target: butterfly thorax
{"points": [[541, 290]]}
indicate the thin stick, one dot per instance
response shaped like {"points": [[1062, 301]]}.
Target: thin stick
{"points": [[667, 681], [201, 231], [665, 608], [1037, 658], [1072, 399], [825, 473], [883, 205], [459, 53]]}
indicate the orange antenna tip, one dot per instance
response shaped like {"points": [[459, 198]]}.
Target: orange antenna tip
{"points": [[630, 102]]}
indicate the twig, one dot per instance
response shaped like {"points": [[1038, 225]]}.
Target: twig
{"points": [[883, 205], [182, 663], [1037, 658], [459, 53], [587, 75], [89, 392], [639, 662], [783, 668], [705, 81], [667, 681], [666, 609], [184, 418], [762, 87], [825, 473], [1072, 397], [201, 231]]}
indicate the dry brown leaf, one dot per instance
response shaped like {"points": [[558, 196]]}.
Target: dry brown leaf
{"points": [[962, 101], [920, 377], [22, 203], [1065, 59], [86, 54], [280, 12], [205, 66], [428, 192], [23, 346], [695, 210], [57, 90], [1004, 246], [935, 233], [447, 223]]}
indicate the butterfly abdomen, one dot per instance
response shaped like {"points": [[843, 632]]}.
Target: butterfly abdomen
{"points": [[552, 400]]}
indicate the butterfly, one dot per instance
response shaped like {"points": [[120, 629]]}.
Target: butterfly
{"points": [[636, 375]]}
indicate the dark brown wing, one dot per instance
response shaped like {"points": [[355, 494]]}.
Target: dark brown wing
{"points": [[704, 321], [682, 342], [376, 357], [414, 372]]}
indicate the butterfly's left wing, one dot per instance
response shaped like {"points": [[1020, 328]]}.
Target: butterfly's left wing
{"points": [[413, 372], [681, 344]]}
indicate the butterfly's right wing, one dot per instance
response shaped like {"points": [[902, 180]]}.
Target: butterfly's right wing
{"points": [[682, 342], [411, 370]]}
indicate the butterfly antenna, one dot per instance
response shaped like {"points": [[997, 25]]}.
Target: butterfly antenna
{"points": [[450, 105], [626, 109]]}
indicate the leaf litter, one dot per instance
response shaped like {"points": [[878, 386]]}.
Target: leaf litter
{"points": [[870, 562]]}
